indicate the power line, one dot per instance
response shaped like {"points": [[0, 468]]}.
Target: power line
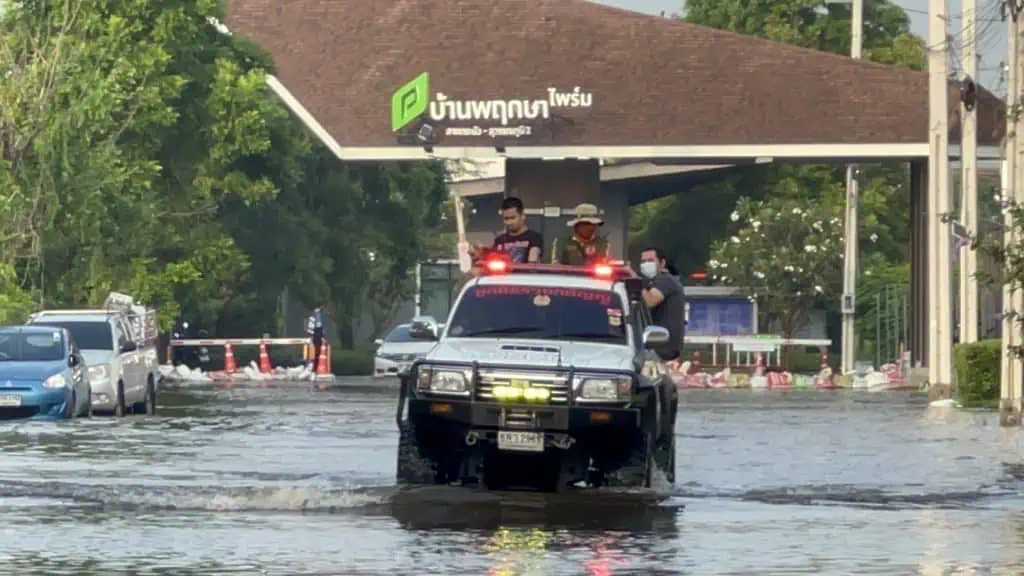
{"points": [[955, 16]]}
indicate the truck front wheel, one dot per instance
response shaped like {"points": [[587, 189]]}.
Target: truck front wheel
{"points": [[414, 467]]}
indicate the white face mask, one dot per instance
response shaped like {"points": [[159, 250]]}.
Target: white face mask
{"points": [[649, 269]]}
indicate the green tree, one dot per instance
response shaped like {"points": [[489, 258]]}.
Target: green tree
{"points": [[817, 24], [788, 251], [145, 121], [143, 153]]}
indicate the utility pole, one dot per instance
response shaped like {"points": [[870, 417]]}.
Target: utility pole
{"points": [[850, 246], [969, 178], [1010, 375], [940, 342]]}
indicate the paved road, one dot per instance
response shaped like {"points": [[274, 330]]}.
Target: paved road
{"points": [[295, 481]]}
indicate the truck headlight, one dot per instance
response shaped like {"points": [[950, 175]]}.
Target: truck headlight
{"points": [[55, 381], [605, 389], [99, 372], [442, 380]]}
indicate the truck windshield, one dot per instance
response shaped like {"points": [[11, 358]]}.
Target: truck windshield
{"points": [[18, 346], [87, 335], [541, 312]]}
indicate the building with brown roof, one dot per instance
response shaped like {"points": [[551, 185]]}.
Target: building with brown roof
{"points": [[553, 85]]}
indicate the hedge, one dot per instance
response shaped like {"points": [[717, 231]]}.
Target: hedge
{"points": [[357, 362], [977, 368]]}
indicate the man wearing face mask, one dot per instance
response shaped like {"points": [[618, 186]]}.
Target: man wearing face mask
{"points": [[663, 294]]}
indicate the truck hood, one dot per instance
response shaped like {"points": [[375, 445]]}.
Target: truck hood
{"points": [[533, 353], [416, 348]]}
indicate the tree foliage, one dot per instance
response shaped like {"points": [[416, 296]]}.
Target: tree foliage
{"points": [[787, 253], [142, 152], [817, 24]]}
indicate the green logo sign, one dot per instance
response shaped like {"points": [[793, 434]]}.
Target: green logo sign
{"points": [[410, 101]]}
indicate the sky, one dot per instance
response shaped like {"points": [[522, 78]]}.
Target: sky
{"points": [[991, 41]]}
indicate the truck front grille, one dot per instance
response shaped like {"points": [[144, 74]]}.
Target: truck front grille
{"points": [[556, 383]]}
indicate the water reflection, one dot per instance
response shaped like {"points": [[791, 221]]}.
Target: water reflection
{"points": [[283, 481], [460, 509]]}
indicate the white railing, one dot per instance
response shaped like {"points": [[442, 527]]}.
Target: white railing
{"points": [[239, 341], [743, 349]]}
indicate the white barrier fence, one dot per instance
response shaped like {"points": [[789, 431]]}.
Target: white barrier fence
{"points": [[741, 348], [239, 341]]}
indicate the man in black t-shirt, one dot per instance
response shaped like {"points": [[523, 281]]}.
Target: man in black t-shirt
{"points": [[519, 242], [663, 294]]}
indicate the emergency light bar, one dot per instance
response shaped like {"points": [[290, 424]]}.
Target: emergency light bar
{"points": [[495, 264]]}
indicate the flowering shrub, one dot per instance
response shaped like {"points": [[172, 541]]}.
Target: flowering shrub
{"points": [[788, 252]]}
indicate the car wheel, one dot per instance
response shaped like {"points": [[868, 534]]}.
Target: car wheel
{"points": [[119, 408], [413, 467], [637, 471], [665, 458], [150, 400], [69, 408]]}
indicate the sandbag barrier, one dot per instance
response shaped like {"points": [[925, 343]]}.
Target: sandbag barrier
{"points": [[262, 372]]}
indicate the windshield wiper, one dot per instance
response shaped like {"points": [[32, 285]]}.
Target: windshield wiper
{"points": [[602, 335], [498, 331]]}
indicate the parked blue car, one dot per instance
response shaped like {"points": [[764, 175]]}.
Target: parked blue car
{"points": [[42, 374]]}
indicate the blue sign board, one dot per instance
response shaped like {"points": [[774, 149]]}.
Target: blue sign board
{"points": [[720, 317]]}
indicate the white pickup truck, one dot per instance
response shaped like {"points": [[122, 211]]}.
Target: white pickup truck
{"points": [[118, 343]]}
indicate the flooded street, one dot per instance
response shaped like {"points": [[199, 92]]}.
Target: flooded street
{"points": [[290, 480]]}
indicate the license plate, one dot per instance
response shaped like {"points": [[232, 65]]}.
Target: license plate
{"points": [[10, 400], [520, 441]]}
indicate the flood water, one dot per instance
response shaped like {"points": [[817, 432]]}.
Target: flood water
{"points": [[291, 480]]}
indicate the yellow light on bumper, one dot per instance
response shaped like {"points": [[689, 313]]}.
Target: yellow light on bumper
{"points": [[518, 393]]}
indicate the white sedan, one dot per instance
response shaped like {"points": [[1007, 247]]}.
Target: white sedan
{"points": [[397, 350]]}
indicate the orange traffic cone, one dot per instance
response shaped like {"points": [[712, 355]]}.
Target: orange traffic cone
{"points": [[229, 359], [322, 367], [264, 359]]}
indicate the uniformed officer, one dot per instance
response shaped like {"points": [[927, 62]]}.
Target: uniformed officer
{"points": [[585, 245]]}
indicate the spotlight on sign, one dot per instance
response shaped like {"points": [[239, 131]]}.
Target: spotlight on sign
{"points": [[426, 133]]}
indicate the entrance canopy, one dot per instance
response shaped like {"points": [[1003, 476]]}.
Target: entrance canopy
{"points": [[415, 79]]}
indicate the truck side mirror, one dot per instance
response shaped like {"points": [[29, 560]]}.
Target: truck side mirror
{"points": [[424, 328]]}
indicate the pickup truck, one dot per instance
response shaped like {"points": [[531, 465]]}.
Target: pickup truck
{"points": [[545, 377], [118, 343]]}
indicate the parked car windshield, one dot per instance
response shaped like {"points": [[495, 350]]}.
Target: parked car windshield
{"points": [[541, 312], [95, 335], [400, 334], [18, 346]]}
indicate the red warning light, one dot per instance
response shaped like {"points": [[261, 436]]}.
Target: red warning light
{"points": [[604, 271], [497, 266]]}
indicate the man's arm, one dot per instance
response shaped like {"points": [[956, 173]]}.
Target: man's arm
{"points": [[661, 286], [533, 254], [652, 296]]}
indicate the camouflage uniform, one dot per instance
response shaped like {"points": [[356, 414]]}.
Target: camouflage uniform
{"points": [[578, 252]]}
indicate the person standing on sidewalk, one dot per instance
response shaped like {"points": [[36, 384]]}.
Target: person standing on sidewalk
{"points": [[316, 326]]}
